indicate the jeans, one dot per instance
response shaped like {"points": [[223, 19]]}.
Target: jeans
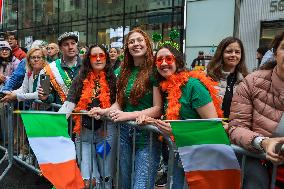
{"points": [[145, 161], [92, 164]]}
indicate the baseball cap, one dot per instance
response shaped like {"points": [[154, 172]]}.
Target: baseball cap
{"points": [[67, 35]]}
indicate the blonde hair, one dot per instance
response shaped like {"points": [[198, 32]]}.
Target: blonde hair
{"points": [[28, 65]]}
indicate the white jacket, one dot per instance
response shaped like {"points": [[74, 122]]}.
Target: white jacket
{"points": [[25, 92]]}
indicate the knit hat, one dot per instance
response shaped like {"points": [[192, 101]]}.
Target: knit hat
{"points": [[67, 35], [5, 44]]}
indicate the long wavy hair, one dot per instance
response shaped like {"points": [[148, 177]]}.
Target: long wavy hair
{"points": [[180, 60], [214, 68], [142, 83], [274, 45], [86, 68]]}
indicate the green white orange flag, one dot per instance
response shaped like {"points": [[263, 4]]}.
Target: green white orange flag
{"points": [[208, 160], [53, 148]]}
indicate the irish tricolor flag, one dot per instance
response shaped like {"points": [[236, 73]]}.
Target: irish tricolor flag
{"points": [[208, 160], [55, 151]]}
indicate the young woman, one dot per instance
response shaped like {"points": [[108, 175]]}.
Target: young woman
{"points": [[187, 95], [256, 119], [94, 87], [36, 60], [228, 68], [114, 60], [8, 62], [137, 94]]}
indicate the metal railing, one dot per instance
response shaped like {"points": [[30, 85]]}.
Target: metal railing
{"points": [[15, 146]]}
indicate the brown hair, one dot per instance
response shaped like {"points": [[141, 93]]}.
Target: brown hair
{"points": [[274, 45], [214, 68], [141, 84], [28, 65]]}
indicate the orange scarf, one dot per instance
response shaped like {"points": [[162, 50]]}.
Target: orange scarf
{"points": [[87, 94], [173, 87]]}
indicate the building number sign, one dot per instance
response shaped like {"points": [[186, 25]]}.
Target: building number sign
{"points": [[276, 5]]}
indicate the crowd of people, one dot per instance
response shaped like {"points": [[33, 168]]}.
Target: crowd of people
{"points": [[150, 88]]}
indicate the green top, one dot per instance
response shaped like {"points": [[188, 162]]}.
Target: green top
{"points": [[146, 101], [194, 95]]}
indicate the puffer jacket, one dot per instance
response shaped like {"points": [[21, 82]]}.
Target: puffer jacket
{"points": [[257, 108]]}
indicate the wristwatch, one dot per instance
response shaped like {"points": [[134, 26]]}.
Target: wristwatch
{"points": [[257, 143]]}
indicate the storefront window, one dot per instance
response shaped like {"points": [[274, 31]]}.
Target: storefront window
{"points": [[97, 21]]}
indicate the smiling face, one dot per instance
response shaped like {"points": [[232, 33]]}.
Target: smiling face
{"points": [[5, 52], [165, 62], [232, 56], [137, 45], [36, 60], [113, 54], [97, 59]]}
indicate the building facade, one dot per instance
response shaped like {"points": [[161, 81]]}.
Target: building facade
{"points": [[260, 21], [96, 21]]}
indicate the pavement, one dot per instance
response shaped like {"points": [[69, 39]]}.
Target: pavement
{"points": [[19, 177]]}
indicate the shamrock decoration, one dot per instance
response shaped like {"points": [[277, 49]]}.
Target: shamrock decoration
{"points": [[174, 34], [156, 37]]}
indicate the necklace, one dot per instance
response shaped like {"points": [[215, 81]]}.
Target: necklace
{"points": [[102, 94]]}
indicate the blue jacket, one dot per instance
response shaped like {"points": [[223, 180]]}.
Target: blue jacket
{"points": [[17, 78]]}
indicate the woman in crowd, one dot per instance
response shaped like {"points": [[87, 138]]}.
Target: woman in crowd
{"points": [[8, 62], [114, 60], [256, 119], [228, 68], [137, 94], [94, 87], [187, 95], [36, 60]]}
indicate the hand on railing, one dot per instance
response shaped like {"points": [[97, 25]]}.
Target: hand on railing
{"points": [[9, 97], [268, 145], [161, 125]]}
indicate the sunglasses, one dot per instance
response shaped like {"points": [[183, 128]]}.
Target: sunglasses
{"points": [[168, 59], [102, 56]]}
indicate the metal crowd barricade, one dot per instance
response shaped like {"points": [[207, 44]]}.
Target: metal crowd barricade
{"points": [[246, 153], [14, 141], [6, 142], [18, 150]]}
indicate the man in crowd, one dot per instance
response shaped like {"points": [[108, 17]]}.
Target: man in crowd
{"points": [[62, 71], [199, 61], [52, 52], [12, 39]]}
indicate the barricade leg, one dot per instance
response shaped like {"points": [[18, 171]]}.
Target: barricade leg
{"points": [[255, 175]]}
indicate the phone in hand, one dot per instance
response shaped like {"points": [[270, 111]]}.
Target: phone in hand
{"points": [[279, 149], [45, 83]]}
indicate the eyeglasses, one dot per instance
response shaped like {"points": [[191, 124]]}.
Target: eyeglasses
{"points": [[10, 38], [168, 59], [49, 48], [36, 57], [4, 49], [102, 56]]}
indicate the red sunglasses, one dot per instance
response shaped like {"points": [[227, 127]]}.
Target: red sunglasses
{"points": [[102, 56], [168, 59]]}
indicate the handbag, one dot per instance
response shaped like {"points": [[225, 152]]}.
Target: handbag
{"points": [[87, 120]]}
